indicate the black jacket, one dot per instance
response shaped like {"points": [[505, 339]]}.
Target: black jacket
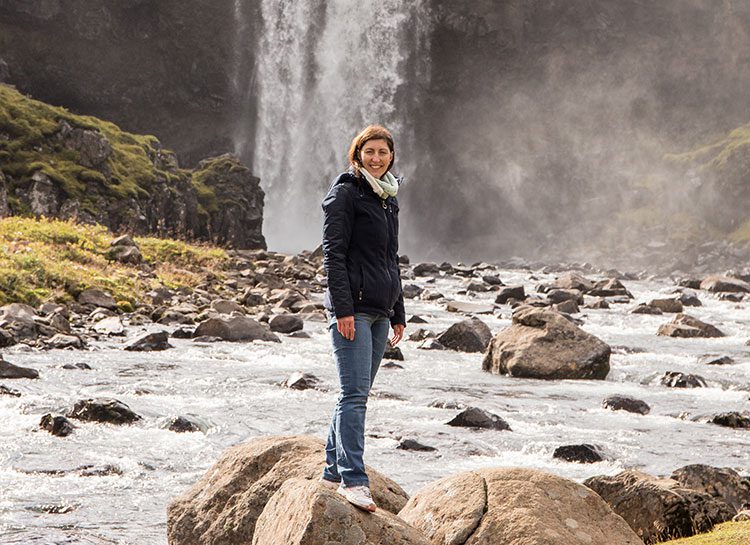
{"points": [[360, 249]]}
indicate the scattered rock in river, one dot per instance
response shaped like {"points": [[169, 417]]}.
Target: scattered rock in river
{"points": [[582, 454], [150, 342], [689, 298], [78, 366], [182, 424], [567, 307], [5, 391], [473, 417], [286, 323], [225, 306], [110, 326], [510, 292], [411, 444], [60, 340], [443, 404], [56, 425], [542, 343], [426, 269], [720, 283], [470, 335], [643, 308], [469, 308], [502, 506], [391, 365], [667, 305], [431, 344], [715, 359], [183, 333], [412, 291], [301, 381], [675, 379], [686, 326], [416, 320], [732, 297], [421, 334], [732, 420], [103, 410], [225, 504], [625, 403], [97, 298], [8, 370], [237, 328], [393, 352]]}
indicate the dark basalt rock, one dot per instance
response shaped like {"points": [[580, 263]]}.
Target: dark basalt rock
{"points": [[471, 335], [416, 320], [8, 370], [474, 417], [412, 291], [5, 391], [712, 359], [411, 444], [150, 342], [675, 379], [426, 269], [393, 353], [511, 292], [582, 454], [719, 482], [732, 420], [182, 424], [56, 425], [391, 365], [286, 323], [689, 298], [183, 333], [625, 403], [103, 410], [301, 381], [79, 365]]}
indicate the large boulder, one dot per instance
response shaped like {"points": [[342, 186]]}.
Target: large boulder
{"points": [[8, 370], [719, 283], [719, 482], [304, 512], [659, 509], [97, 298], [470, 335], [514, 506], [222, 508], [236, 328], [686, 326], [542, 343]]}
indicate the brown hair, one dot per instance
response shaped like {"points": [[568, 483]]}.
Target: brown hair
{"points": [[371, 132]]}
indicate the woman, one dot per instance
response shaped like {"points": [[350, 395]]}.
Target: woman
{"points": [[364, 297]]}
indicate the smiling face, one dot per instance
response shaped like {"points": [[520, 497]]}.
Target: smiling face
{"points": [[376, 156]]}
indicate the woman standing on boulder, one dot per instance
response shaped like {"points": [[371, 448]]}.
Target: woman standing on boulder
{"points": [[364, 297]]}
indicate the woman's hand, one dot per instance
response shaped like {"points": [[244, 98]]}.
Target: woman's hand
{"points": [[398, 333], [345, 325]]}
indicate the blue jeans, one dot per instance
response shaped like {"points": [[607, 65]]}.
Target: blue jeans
{"points": [[357, 362]]}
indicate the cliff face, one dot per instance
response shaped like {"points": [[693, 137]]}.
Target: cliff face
{"points": [[162, 67]]}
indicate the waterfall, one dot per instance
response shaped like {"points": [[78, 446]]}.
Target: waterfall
{"points": [[325, 69]]}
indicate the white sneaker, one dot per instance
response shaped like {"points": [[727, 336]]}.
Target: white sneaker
{"points": [[333, 485], [359, 496]]}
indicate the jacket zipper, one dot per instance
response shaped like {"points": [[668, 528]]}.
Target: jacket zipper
{"points": [[361, 282]]}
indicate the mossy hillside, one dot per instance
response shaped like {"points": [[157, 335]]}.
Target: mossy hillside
{"points": [[728, 533], [28, 144], [52, 260], [215, 173]]}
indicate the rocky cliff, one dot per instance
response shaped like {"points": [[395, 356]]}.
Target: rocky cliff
{"points": [[57, 164]]}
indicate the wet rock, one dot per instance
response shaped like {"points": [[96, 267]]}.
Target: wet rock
{"points": [[411, 444], [171, 316], [8, 370], [688, 327], [582, 454], [5, 391], [97, 298], [106, 410], [238, 328], [301, 381], [625, 403], [443, 404], [412, 291], [428, 295], [183, 333], [391, 365], [470, 335], [56, 425], [476, 286], [492, 280], [719, 283], [469, 308], [79, 365], [611, 287], [732, 297], [224, 306], [416, 320], [288, 514], [426, 269], [732, 420], [474, 417], [675, 379], [510, 292], [393, 352], [421, 334], [573, 281], [102, 471], [6, 338], [667, 305], [431, 344], [224, 505], [110, 326], [567, 307], [504, 506], [182, 424], [299, 335], [692, 283], [286, 323], [150, 342], [207, 339], [689, 299], [558, 296], [542, 343], [643, 308], [659, 509], [65, 341], [715, 359], [722, 483]]}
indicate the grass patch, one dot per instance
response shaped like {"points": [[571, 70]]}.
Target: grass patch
{"points": [[51, 260], [728, 533]]}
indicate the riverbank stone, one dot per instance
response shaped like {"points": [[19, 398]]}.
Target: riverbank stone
{"points": [[56, 425], [686, 326], [626, 403], [474, 417], [105, 410], [8, 370], [235, 329], [582, 454], [470, 335], [150, 342]]}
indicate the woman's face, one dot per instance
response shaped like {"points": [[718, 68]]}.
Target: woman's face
{"points": [[376, 156]]}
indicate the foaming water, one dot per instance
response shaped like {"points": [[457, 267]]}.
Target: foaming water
{"points": [[234, 390]]}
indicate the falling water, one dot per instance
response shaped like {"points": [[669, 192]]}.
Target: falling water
{"points": [[326, 68]]}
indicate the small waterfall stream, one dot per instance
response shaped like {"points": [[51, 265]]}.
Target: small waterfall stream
{"points": [[326, 68]]}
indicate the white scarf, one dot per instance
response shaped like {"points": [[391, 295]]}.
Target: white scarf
{"points": [[384, 187]]}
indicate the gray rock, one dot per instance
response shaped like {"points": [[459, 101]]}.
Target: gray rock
{"points": [[431, 344], [5, 391], [470, 335], [643, 308], [426, 269], [719, 283], [301, 381], [625, 403], [667, 305], [125, 254], [286, 323], [150, 342], [582, 454], [103, 410], [238, 328], [393, 352], [56, 425], [412, 291], [510, 292], [8, 370], [469, 308], [687, 327], [732, 420], [721, 483], [110, 326], [474, 417], [715, 359], [183, 424], [411, 444], [97, 298], [224, 306], [675, 379], [65, 341]]}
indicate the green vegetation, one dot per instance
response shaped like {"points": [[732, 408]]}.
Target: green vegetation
{"points": [[51, 260], [718, 154], [211, 174], [31, 141], [729, 533]]}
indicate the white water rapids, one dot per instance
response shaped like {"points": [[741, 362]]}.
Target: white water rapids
{"points": [[233, 388]]}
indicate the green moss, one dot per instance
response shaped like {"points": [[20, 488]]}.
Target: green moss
{"points": [[717, 154], [729, 533], [55, 260]]}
